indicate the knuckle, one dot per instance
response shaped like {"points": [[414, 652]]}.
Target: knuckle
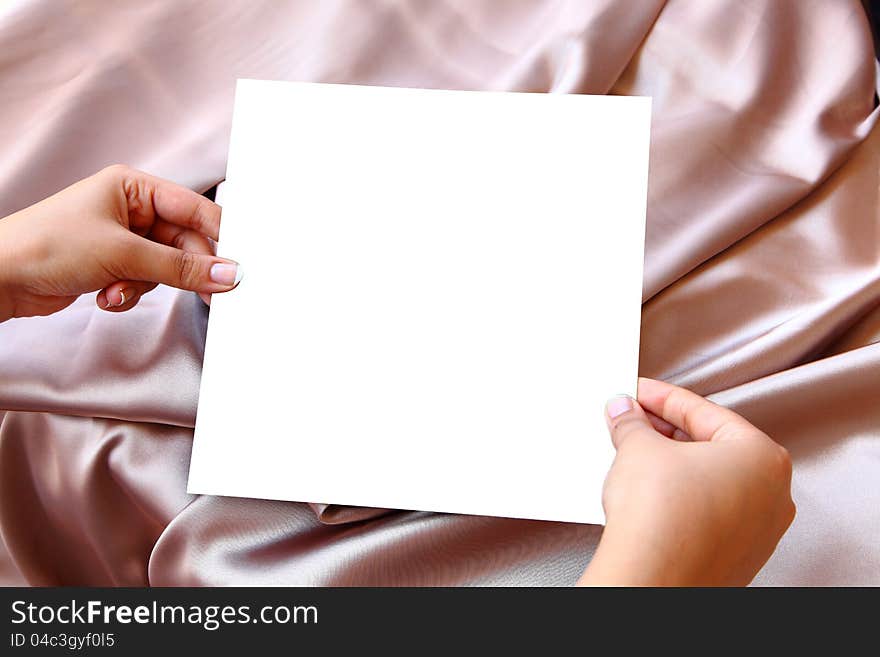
{"points": [[186, 267], [198, 220], [623, 424], [790, 511], [627, 426], [729, 428], [612, 493], [771, 457], [671, 399], [138, 194], [677, 405], [781, 461], [116, 171]]}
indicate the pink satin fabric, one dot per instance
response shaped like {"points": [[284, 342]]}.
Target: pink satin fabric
{"points": [[762, 269]]}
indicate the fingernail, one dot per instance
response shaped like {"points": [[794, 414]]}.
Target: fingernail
{"points": [[122, 296], [224, 273], [618, 406]]}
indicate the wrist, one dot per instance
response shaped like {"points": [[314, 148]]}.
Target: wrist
{"points": [[627, 557]]}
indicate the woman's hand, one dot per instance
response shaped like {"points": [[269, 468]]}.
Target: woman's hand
{"points": [[696, 496], [120, 231]]}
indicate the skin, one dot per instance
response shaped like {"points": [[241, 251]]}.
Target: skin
{"points": [[696, 495], [118, 233]]}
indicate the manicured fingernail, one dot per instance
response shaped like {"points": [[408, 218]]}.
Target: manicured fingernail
{"points": [[225, 273], [119, 297], [618, 406]]}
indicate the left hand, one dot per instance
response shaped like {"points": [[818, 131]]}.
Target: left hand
{"points": [[119, 232]]}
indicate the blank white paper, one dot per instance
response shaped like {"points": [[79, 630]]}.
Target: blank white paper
{"points": [[441, 289]]}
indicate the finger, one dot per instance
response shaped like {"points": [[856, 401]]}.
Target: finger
{"points": [[697, 417], [627, 421], [183, 238], [186, 239], [179, 237], [151, 198], [145, 260], [184, 207], [122, 295], [669, 430]]}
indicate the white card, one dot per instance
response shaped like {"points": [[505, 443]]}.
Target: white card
{"points": [[441, 289]]}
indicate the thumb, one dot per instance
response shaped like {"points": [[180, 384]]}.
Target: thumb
{"points": [[626, 420], [158, 263]]}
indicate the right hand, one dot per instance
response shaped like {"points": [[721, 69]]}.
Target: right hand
{"points": [[696, 496]]}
